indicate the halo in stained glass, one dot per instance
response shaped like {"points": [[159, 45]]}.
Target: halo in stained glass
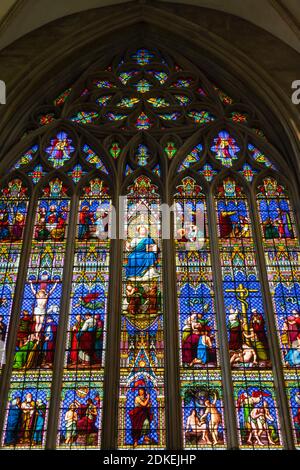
{"points": [[225, 148], [60, 149]]}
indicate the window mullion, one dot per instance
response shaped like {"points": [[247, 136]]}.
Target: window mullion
{"points": [[112, 355], [172, 392]]}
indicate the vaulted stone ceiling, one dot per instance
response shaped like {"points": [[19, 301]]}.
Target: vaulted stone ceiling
{"points": [[279, 17]]}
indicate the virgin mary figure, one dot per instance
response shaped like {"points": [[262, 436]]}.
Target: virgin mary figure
{"points": [[142, 258]]}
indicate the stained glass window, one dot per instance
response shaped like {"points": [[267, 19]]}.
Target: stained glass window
{"points": [[141, 400], [246, 323], [281, 247], [155, 130], [38, 322], [13, 212], [82, 389]]}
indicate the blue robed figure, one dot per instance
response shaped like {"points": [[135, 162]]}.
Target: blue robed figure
{"points": [[141, 258], [13, 422]]}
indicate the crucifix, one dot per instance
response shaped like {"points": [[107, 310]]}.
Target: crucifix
{"points": [[242, 293]]}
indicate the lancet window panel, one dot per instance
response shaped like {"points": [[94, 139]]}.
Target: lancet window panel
{"points": [[33, 360], [141, 398]]}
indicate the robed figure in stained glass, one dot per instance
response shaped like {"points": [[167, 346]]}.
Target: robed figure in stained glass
{"points": [[142, 258], [141, 415]]}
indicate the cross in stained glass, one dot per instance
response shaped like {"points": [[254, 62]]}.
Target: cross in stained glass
{"points": [[242, 293]]}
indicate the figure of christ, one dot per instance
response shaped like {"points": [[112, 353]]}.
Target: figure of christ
{"points": [[142, 259], [215, 418], [141, 417], [28, 408], [71, 418], [39, 312], [196, 427]]}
